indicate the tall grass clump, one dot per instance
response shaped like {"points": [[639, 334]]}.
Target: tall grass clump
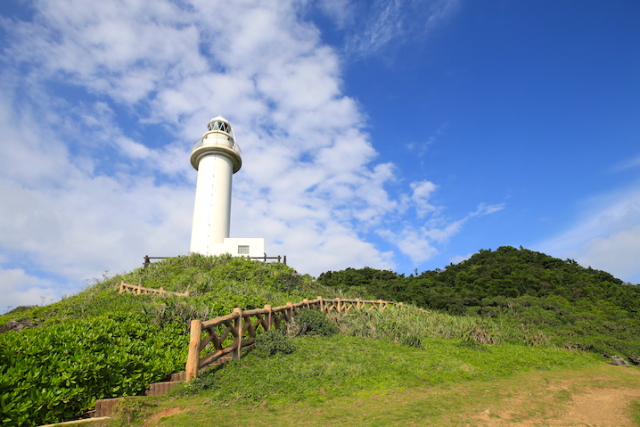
{"points": [[408, 324]]}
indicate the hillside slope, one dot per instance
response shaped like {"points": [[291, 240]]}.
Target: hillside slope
{"points": [[577, 307], [101, 344]]}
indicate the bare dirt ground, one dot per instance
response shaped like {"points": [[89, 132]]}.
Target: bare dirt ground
{"points": [[565, 403]]}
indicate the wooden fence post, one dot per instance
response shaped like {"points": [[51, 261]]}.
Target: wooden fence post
{"points": [[290, 311], [237, 325], [269, 319], [193, 359], [285, 260], [321, 304]]}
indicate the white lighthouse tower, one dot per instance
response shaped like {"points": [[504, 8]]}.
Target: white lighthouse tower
{"points": [[216, 156]]}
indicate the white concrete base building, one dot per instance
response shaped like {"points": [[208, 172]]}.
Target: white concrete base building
{"points": [[252, 247], [216, 156]]}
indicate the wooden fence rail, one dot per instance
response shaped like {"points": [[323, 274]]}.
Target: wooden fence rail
{"points": [[139, 290], [242, 328]]}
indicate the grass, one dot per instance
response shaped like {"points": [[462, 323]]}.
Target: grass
{"points": [[377, 353], [217, 285], [409, 325], [348, 371], [635, 412], [533, 397]]}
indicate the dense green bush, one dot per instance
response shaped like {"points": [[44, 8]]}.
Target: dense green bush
{"points": [[314, 322], [273, 342], [54, 373]]}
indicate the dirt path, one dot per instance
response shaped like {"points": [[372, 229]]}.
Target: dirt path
{"points": [[566, 403]]}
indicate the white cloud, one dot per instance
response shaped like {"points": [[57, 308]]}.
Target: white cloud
{"points": [[88, 185], [422, 191], [606, 237], [91, 195], [459, 258], [419, 242], [412, 242], [618, 253], [18, 288]]}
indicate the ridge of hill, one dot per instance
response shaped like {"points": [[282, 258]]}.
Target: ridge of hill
{"points": [[577, 307], [506, 272]]}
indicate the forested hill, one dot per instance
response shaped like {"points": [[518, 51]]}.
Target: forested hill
{"points": [[490, 276]]}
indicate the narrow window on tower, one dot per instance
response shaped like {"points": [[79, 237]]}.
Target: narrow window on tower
{"points": [[243, 250]]}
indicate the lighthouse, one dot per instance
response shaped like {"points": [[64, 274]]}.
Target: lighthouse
{"points": [[217, 157]]}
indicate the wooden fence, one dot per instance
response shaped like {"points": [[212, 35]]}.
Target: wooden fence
{"points": [[242, 326], [139, 290]]}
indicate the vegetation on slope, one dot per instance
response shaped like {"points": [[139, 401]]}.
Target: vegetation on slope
{"points": [[99, 344], [575, 307], [556, 396], [329, 368]]}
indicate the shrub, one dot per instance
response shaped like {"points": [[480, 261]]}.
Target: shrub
{"points": [[273, 342], [55, 373], [314, 322]]}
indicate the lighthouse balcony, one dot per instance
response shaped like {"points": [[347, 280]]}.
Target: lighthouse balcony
{"points": [[210, 139]]}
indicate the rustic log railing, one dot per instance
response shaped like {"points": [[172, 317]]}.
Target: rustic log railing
{"points": [[242, 328], [139, 290]]}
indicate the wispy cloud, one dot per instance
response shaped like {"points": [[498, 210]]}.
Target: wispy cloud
{"points": [[422, 147], [388, 23], [420, 243], [341, 12], [626, 164]]}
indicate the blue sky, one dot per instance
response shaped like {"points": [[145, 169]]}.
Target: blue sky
{"points": [[400, 135]]}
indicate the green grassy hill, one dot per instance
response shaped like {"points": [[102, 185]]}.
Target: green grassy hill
{"points": [[100, 344], [575, 307]]}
